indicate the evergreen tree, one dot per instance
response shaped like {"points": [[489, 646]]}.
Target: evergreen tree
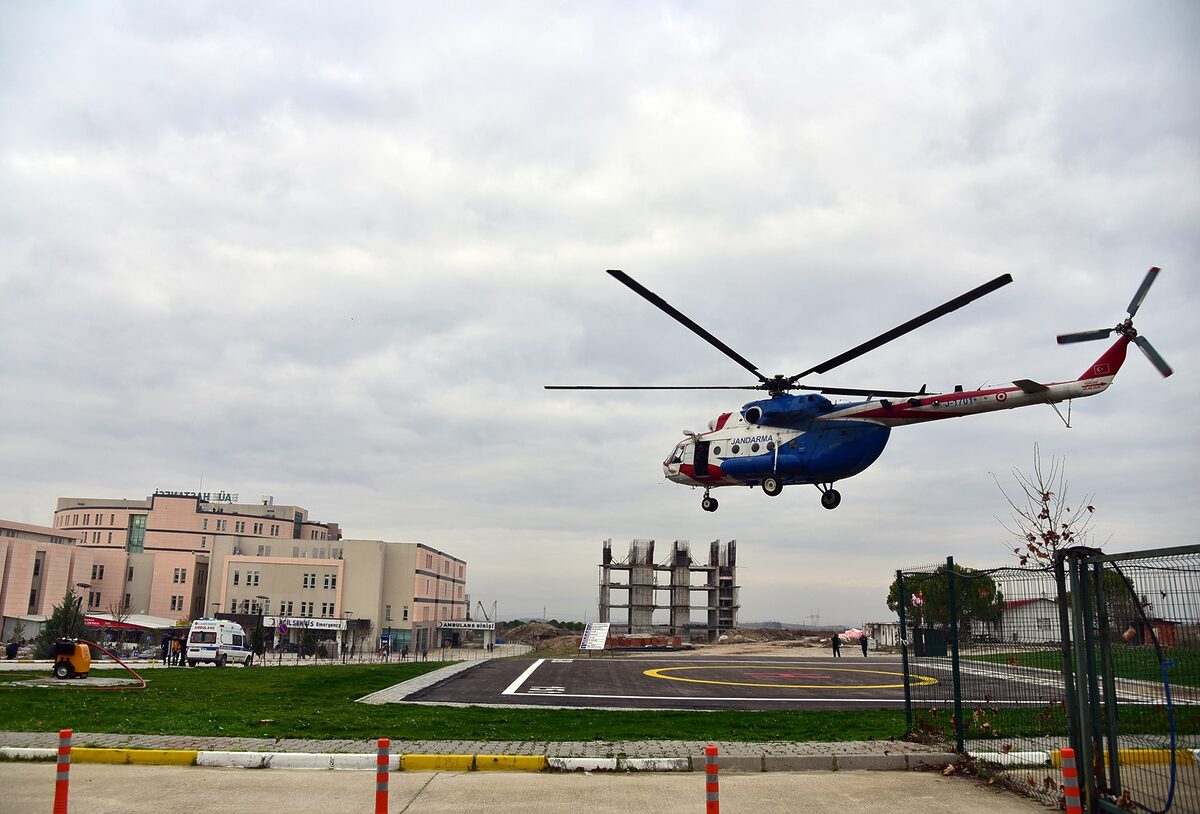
{"points": [[66, 621]]}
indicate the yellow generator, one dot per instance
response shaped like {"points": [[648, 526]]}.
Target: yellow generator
{"points": [[72, 659]]}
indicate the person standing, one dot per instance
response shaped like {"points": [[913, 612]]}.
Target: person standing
{"points": [[166, 648], [837, 646], [862, 641]]}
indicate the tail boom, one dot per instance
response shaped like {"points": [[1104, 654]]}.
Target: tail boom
{"points": [[894, 413]]}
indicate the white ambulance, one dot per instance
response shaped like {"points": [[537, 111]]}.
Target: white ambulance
{"points": [[219, 642]]}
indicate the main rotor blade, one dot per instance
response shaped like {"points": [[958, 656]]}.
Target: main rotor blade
{"points": [[648, 387], [911, 325], [1148, 281], [851, 391], [679, 317], [1085, 336], [1153, 356]]}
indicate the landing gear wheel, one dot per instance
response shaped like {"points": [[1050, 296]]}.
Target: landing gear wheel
{"points": [[62, 670], [709, 504], [830, 498], [772, 485]]}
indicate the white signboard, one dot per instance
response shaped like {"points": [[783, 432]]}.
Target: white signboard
{"points": [[595, 634], [304, 622]]}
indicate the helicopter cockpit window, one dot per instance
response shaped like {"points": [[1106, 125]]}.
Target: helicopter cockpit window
{"points": [[676, 455]]}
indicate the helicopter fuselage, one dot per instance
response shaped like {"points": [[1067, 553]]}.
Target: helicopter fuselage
{"points": [[801, 439]]}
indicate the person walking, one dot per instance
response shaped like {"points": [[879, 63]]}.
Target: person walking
{"points": [[837, 646], [862, 641]]}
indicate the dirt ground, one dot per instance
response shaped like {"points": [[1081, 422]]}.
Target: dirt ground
{"points": [[747, 642]]}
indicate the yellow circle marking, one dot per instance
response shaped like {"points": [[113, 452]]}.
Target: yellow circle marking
{"points": [[659, 672]]}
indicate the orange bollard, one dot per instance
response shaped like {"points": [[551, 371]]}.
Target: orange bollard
{"points": [[1071, 782], [712, 801], [381, 776], [62, 780]]}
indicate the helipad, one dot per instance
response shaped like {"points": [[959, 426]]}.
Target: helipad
{"points": [[669, 681]]}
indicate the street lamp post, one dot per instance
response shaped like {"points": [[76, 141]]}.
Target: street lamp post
{"points": [[78, 607]]}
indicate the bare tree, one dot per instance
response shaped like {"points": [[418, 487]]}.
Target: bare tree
{"points": [[1042, 519], [361, 631], [120, 613]]}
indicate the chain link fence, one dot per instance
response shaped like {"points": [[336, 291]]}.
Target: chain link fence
{"points": [[1003, 663]]}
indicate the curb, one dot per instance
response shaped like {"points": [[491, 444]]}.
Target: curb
{"points": [[1128, 757], [502, 763]]}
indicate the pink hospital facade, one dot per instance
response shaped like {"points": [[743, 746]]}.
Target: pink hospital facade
{"points": [[184, 555]]}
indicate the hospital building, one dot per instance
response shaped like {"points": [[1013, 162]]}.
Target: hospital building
{"points": [[177, 556]]}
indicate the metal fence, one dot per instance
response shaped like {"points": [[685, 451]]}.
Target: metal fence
{"points": [[1103, 654]]}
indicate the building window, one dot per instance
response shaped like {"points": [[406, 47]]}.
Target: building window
{"points": [[32, 599], [236, 576], [286, 608], [239, 526], [222, 525], [405, 612], [387, 613], [87, 520], [97, 572], [129, 574], [110, 538], [204, 524], [93, 599], [112, 520], [128, 601], [137, 533], [37, 566], [428, 560], [252, 577], [274, 529], [203, 542], [258, 527]]}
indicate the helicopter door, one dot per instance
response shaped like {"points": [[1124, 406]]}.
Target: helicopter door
{"points": [[700, 459]]}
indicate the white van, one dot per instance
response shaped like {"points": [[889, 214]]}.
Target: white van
{"points": [[218, 641]]}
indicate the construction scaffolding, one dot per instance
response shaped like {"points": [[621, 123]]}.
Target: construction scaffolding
{"points": [[638, 576]]}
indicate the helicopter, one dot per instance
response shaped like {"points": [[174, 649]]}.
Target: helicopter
{"points": [[794, 438]]}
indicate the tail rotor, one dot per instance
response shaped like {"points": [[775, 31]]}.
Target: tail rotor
{"points": [[1126, 328]]}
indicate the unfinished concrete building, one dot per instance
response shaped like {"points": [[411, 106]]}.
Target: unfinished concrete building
{"points": [[642, 583]]}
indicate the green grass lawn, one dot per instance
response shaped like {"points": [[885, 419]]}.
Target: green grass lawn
{"points": [[1128, 662], [318, 702]]}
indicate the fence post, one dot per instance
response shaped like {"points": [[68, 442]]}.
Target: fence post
{"points": [[381, 776], [712, 796], [1070, 781], [62, 779], [952, 586], [1108, 676], [901, 601]]}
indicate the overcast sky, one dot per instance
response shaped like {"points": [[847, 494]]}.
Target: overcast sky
{"points": [[332, 252]]}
